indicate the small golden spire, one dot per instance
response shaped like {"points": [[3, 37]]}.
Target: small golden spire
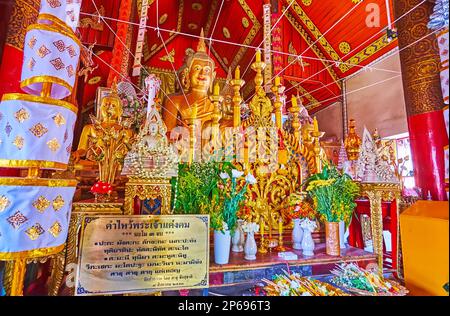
{"points": [[201, 47]]}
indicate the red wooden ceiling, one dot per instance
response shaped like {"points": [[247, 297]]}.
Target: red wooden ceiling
{"points": [[318, 24]]}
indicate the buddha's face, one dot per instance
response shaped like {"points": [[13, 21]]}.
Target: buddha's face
{"points": [[111, 111], [153, 129], [200, 74]]}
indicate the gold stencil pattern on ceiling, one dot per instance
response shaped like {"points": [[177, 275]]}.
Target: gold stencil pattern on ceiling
{"points": [[344, 47], [170, 57], [94, 23]]}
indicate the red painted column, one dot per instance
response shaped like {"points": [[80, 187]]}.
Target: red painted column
{"points": [[420, 64]]}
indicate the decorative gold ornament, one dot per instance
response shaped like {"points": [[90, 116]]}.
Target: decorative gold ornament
{"points": [[170, 57], [41, 204], [192, 26], [19, 142], [22, 115], [38, 130], [58, 203], [197, 6], [35, 231], [55, 229], [245, 22], [226, 32], [163, 18], [307, 2], [4, 203], [59, 119], [344, 47], [53, 144]]}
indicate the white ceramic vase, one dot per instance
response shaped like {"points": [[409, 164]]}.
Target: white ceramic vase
{"points": [[238, 238], [222, 245], [342, 235], [250, 248], [297, 234], [308, 243]]}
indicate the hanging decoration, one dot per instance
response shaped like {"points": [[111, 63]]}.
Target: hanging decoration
{"points": [[140, 39]]}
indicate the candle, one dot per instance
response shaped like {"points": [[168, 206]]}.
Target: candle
{"points": [[316, 124], [277, 81], [262, 226], [280, 226], [258, 56], [294, 101], [216, 89], [237, 73]]}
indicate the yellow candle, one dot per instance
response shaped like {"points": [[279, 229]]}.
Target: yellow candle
{"points": [[280, 226], [216, 89], [316, 124], [258, 56], [277, 81], [262, 226], [294, 101], [237, 73]]}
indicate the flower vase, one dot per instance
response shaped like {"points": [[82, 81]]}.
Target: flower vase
{"points": [[222, 245], [297, 234], [342, 234], [250, 248], [238, 238], [307, 241], [332, 238]]}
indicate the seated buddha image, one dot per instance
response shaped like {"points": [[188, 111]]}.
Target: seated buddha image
{"points": [[109, 119], [196, 77]]}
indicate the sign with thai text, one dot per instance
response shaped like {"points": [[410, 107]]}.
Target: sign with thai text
{"points": [[145, 253]]}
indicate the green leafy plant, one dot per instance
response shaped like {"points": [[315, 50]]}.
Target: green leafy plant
{"points": [[333, 194]]}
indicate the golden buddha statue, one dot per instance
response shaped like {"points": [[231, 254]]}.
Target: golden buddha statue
{"points": [[93, 136], [353, 142], [193, 103]]}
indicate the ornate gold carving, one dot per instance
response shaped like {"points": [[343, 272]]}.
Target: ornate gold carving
{"points": [[420, 62], [38, 130], [314, 47], [148, 189], [41, 204]]}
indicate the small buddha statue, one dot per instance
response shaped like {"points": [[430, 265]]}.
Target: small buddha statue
{"points": [[197, 76], [353, 142], [110, 119]]}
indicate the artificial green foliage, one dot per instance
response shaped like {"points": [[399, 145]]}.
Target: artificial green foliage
{"points": [[333, 194]]}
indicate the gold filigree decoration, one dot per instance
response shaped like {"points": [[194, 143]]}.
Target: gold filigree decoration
{"points": [[4, 203], [170, 57], [55, 229], [344, 47], [41, 204], [53, 144], [163, 18], [19, 142], [59, 119], [32, 42], [38, 130], [35, 231], [24, 13], [58, 203], [226, 32], [294, 22], [307, 2], [95, 23], [43, 51], [318, 36], [22, 115], [245, 22]]}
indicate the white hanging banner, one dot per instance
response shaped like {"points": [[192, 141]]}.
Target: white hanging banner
{"points": [[140, 39], [64, 13], [50, 56], [35, 132], [34, 216]]}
